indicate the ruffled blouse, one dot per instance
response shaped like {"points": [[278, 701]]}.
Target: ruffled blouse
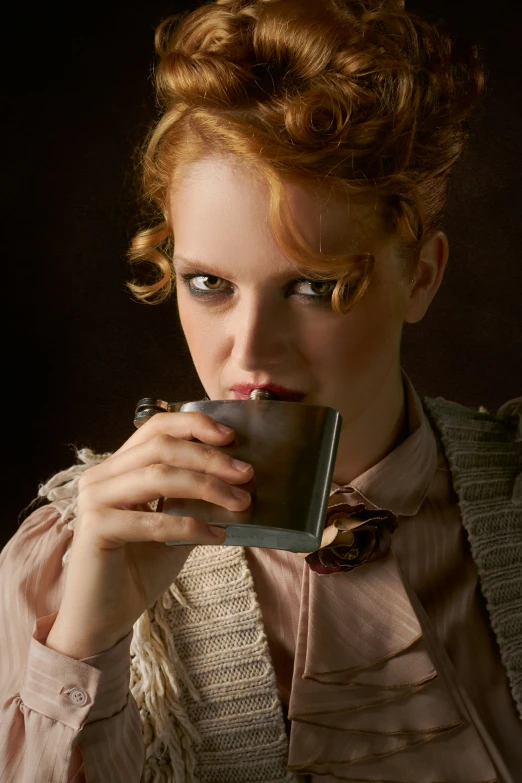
{"points": [[390, 671]]}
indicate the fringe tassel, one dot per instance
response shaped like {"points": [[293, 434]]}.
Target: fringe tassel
{"points": [[64, 486], [157, 672]]}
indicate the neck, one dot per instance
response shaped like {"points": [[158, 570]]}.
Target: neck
{"points": [[379, 429]]}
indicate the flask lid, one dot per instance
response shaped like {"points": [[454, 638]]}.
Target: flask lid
{"points": [[262, 394]]}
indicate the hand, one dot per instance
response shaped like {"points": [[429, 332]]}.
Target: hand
{"points": [[119, 563]]}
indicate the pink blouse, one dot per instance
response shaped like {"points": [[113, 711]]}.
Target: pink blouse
{"points": [[389, 671], [395, 660], [49, 702]]}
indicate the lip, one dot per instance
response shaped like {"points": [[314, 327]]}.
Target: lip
{"points": [[242, 391]]}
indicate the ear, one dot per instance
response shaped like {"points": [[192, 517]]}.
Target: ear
{"points": [[433, 258]]}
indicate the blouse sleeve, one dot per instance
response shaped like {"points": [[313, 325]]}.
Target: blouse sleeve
{"points": [[62, 720]]}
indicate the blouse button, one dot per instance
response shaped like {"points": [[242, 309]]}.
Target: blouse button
{"points": [[78, 697]]}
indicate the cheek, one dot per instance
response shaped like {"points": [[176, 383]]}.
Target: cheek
{"points": [[202, 336], [364, 337], [191, 322]]}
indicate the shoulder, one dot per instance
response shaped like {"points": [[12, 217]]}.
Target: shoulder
{"points": [[44, 521], [462, 426], [32, 562], [509, 413], [48, 530], [31, 565], [484, 449]]}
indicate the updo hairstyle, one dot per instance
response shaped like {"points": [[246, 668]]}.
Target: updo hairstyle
{"points": [[358, 97]]}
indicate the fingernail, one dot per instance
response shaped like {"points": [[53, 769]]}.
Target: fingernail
{"points": [[242, 466], [223, 429], [240, 493], [218, 532]]}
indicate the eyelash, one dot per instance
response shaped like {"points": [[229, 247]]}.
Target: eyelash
{"points": [[188, 276]]}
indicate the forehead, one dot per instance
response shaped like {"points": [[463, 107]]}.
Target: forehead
{"points": [[220, 211], [217, 182]]}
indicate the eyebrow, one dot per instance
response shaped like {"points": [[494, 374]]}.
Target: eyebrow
{"points": [[199, 266]]}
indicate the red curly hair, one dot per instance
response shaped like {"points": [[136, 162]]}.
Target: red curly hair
{"points": [[356, 96]]}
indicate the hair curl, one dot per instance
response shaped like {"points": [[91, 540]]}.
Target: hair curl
{"points": [[356, 96]]}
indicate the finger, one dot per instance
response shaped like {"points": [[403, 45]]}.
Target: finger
{"points": [[159, 480], [111, 528], [165, 449], [187, 426]]}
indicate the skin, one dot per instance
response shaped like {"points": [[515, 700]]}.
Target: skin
{"points": [[270, 329]]}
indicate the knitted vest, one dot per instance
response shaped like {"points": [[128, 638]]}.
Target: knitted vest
{"points": [[201, 671]]}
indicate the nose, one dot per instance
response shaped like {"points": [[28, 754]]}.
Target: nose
{"points": [[262, 335]]}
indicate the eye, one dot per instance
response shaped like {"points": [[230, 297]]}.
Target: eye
{"points": [[212, 283], [203, 285], [321, 288]]}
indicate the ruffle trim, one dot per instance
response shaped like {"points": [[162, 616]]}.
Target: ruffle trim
{"points": [[387, 701]]}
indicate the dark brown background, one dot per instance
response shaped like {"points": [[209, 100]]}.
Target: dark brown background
{"points": [[80, 352]]}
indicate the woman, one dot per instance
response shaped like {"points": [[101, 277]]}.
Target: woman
{"points": [[300, 169]]}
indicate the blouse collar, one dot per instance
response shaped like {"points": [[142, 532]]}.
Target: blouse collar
{"points": [[400, 481]]}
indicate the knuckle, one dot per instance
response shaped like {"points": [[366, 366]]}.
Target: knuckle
{"points": [[209, 486], [157, 526], [204, 420], [161, 529], [161, 442], [86, 478], [89, 521], [86, 495], [210, 455], [157, 472], [187, 528], [155, 423]]}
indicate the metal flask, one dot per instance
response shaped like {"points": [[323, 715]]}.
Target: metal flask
{"points": [[292, 448]]}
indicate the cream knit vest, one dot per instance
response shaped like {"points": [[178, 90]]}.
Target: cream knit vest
{"points": [[201, 671]]}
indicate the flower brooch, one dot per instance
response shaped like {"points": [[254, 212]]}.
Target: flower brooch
{"points": [[353, 535]]}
